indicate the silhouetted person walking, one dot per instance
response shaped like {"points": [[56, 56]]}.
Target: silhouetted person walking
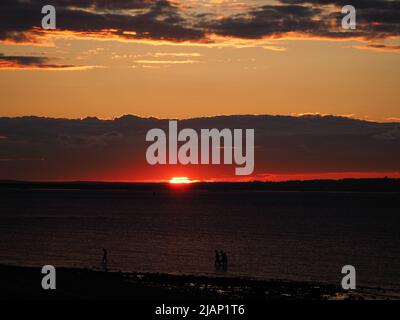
{"points": [[217, 262], [104, 260], [224, 260]]}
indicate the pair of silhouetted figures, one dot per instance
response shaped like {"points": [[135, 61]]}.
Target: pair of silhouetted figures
{"points": [[221, 260]]}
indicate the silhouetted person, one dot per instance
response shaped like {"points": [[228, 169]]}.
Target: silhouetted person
{"points": [[104, 260], [217, 263], [221, 254], [224, 260]]}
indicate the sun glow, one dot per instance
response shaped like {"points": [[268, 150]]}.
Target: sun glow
{"points": [[180, 180]]}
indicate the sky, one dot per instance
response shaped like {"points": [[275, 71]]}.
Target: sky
{"points": [[285, 148], [185, 59]]}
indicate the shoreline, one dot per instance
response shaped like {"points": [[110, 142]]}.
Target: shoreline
{"points": [[24, 283]]}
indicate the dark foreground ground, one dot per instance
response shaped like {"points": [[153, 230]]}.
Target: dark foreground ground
{"points": [[25, 283]]}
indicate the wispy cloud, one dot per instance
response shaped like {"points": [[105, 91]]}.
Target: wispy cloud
{"points": [[380, 47], [176, 54], [167, 61], [36, 63]]}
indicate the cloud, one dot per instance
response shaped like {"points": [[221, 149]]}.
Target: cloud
{"points": [[312, 19], [34, 63], [379, 47], [93, 149], [391, 134], [175, 22], [177, 54], [167, 61], [267, 20], [150, 19]]}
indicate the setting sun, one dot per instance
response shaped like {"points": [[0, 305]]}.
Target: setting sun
{"points": [[180, 180]]}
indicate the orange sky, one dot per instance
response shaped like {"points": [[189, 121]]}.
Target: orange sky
{"points": [[107, 76], [309, 77]]}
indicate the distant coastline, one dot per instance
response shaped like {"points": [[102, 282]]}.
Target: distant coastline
{"points": [[342, 185]]}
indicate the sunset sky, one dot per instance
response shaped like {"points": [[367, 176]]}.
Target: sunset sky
{"points": [[188, 59], [191, 58]]}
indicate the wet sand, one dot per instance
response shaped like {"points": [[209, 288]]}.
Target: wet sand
{"points": [[25, 283]]}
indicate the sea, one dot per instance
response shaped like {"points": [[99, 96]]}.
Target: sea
{"points": [[288, 235]]}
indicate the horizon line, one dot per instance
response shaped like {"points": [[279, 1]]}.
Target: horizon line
{"points": [[143, 117], [194, 182]]}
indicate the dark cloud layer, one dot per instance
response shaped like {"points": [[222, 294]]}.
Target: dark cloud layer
{"points": [[165, 20], [376, 19], [44, 148], [157, 19], [268, 21]]}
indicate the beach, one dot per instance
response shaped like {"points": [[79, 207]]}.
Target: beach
{"points": [[24, 283]]}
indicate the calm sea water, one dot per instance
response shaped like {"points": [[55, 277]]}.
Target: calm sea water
{"points": [[269, 235]]}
